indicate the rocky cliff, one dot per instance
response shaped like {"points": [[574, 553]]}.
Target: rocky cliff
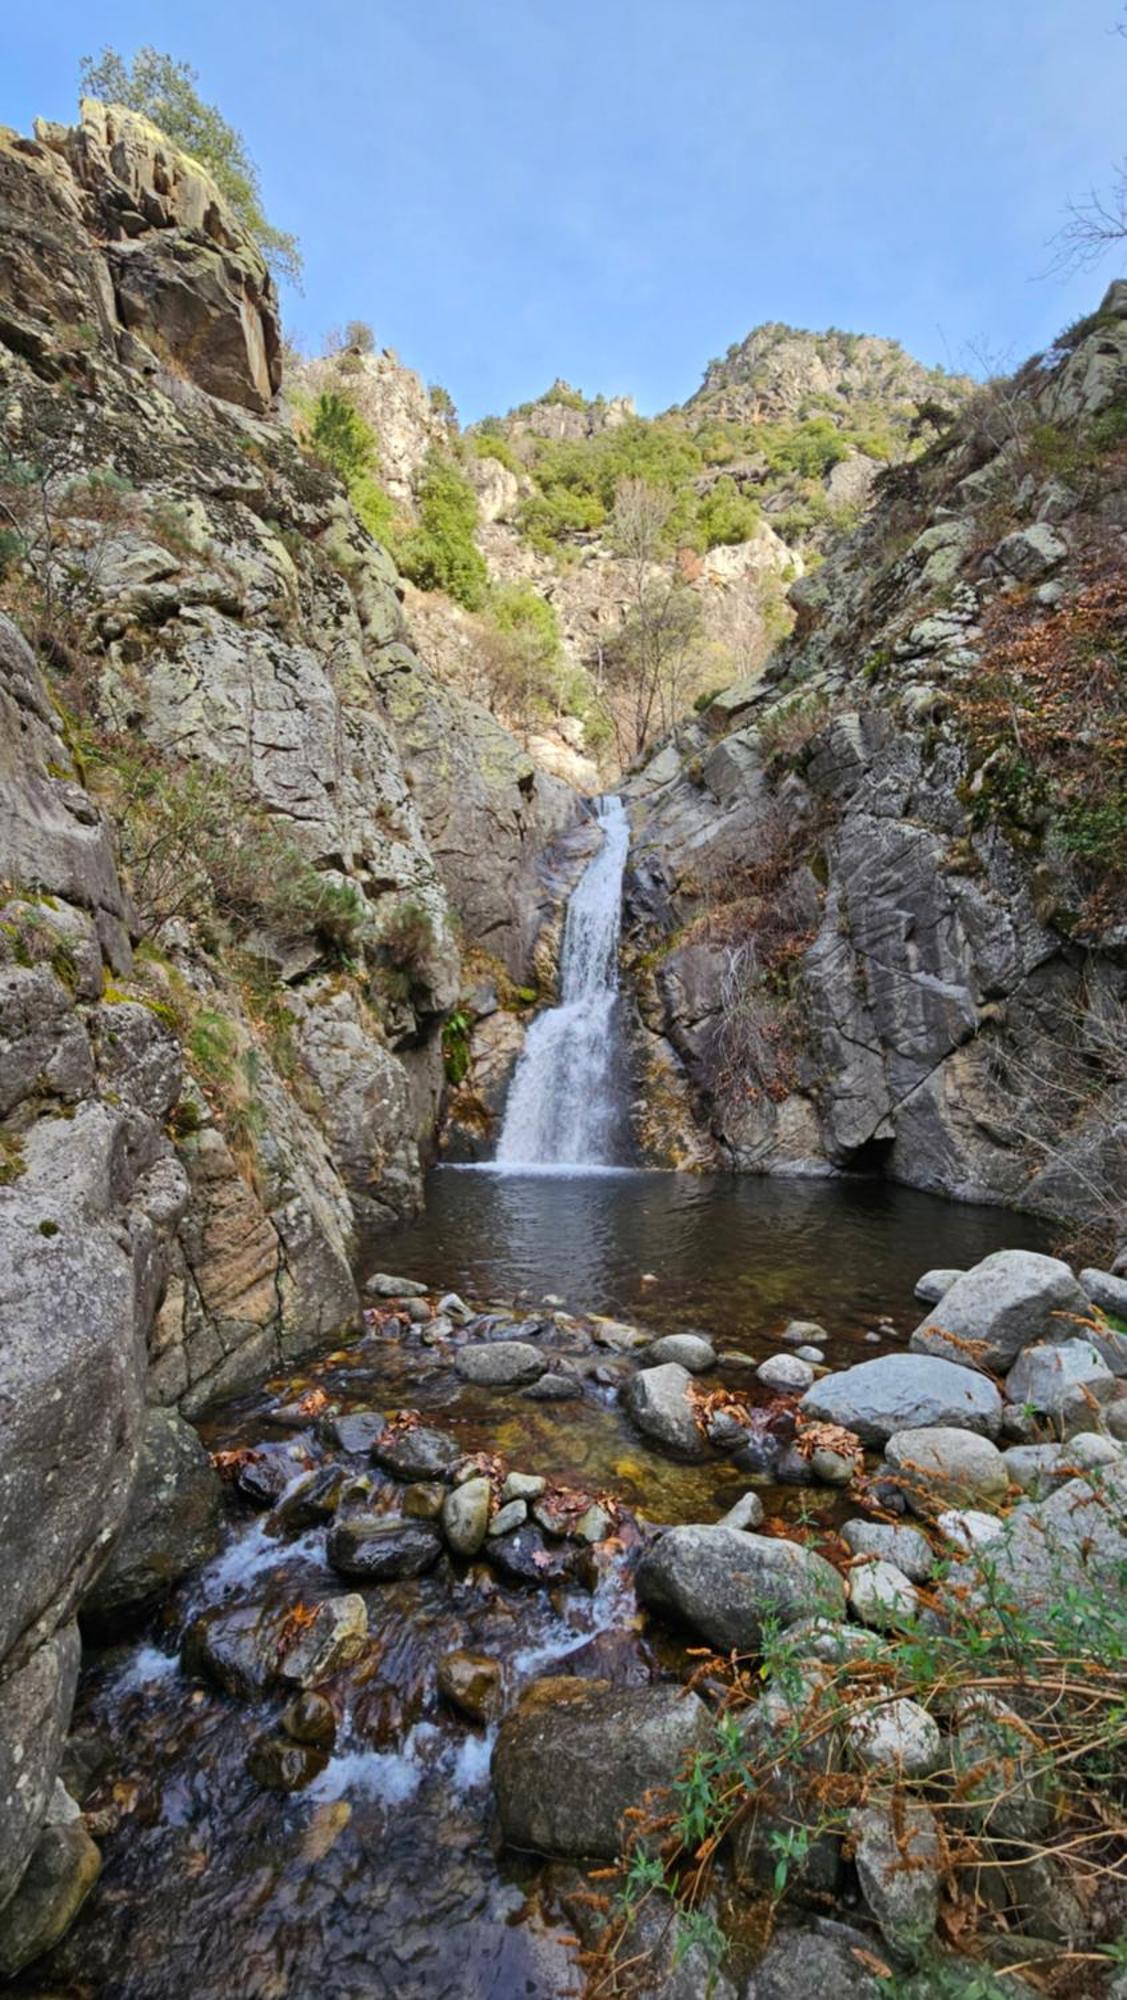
{"points": [[878, 900], [243, 831]]}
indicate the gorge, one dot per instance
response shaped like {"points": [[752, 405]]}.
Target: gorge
{"points": [[347, 1613]]}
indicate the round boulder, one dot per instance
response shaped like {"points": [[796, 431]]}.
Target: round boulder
{"points": [[726, 1583], [500, 1364], [946, 1466], [688, 1350], [658, 1400], [1005, 1303], [899, 1392]]}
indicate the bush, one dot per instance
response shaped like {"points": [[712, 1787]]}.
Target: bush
{"points": [[441, 554], [359, 337], [726, 515], [487, 444], [346, 443]]}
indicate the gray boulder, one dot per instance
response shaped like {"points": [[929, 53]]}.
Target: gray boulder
{"points": [[897, 1739], [1075, 1541], [830, 1960], [35, 1705], [897, 1852], [658, 1401], [881, 1596], [726, 1583], [1005, 1303], [908, 1549], [415, 1453], [63, 1868], [934, 1285], [173, 1523], [786, 1372], [899, 1392], [1107, 1292], [688, 1350], [1065, 1382], [500, 1364], [382, 1548], [564, 1732], [465, 1515], [1031, 552], [945, 1465]]}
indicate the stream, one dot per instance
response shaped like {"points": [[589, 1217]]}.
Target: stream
{"points": [[383, 1874]]}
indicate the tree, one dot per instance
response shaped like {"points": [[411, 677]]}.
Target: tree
{"points": [[1095, 222], [441, 554], [359, 338], [164, 91]]}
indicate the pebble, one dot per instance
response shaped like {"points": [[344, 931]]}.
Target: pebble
{"points": [[786, 1372], [746, 1514], [523, 1486], [512, 1515]]}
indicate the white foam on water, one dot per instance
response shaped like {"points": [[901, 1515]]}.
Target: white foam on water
{"points": [[469, 1770], [251, 1555], [146, 1667], [393, 1776]]}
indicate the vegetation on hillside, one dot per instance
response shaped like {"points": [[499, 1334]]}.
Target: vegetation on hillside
{"points": [[164, 91]]}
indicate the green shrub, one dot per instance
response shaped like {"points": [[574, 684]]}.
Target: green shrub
{"points": [[441, 554], [487, 444], [726, 515], [341, 437]]}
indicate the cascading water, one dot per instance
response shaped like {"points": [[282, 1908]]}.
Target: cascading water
{"points": [[562, 1109]]}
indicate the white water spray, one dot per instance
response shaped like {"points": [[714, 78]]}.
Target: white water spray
{"points": [[561, 1109]]}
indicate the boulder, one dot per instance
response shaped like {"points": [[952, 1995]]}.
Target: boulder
{"points": [[727, 1584], [1032, 552], [945, 1465], [1107, 1292], [524, 1557], [934, 1285], [897, 1852], [969, 1529], [688, 1350], [465, 1515], [636, 1739], [788, 1373], [35, 1706], [1074, 1541], [500, 1364], [415, 1453], [881, 1596], [248, 1648], [63, 1868], [173, 1523], [907, 1548], [382, 1548], [828, 1960], [472, 1683], [746, 1514], [804, 1333], [894, 1738], [384, 1285], [1008, 1301], [897, 1392], [1065, 1382], [658, 1401]]}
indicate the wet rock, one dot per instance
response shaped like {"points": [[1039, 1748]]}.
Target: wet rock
{"points": [[553, 1388], [423, 1500], [687, 1350], [658, 1401], [1006, 1303], [726, 1584], [512, 1515], [465, 1515], [907, 1548], [787, 1373], [881, 1596], [747, 1514], [594, 1524], [280, 1765], [60, 1874], [896, 1739], [310, 1718], [308, 1501], [898, 1392], [473, 1683], [896, 1849], [804, 1333], [331, 1639], [358, 1432], [525, 1557], [500, 1364], [383, 1286], [237, 1646], [621, 1338], [416, 1452], [174, 1522], [264, 1476], [523, 1486], [382, 1548], [563, 1731], [1064, 1381], [934, 1285], [793, 1468], [943, 1465], [799, 1964], [454, 1308]]}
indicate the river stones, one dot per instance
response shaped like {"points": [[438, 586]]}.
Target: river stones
{"points": [[934, 1285], [465, 1515], [246, 1648], [472, 1683], [173, 1523], [881, 1596], [280, 1765], [907, 1548], [523, 1486], [788, 1373], [898, 1858], [553, 1388], [804, 1333], [512, 1515], [688, 1350], [945, 1465], [659, 1403], [1063, 1381], [1005, 1303], [383, 1548], [800, 1963], [726, 1584], [747, 1514], [331, 1639], [383, 1285], [525, 1557], [1106, 1291], [898, 1392], [63, 1868], [308, 1500], [424, 1499], [500, 1364], [265, 1473], [1075, 1541], [897, 1739], [416, 1452], [309, 1717], [574, 1756]]}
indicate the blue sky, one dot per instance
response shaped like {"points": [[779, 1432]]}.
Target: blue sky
{"points": [[510, 189]]}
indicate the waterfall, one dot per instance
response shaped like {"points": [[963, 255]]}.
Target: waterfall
{"points": [[561, 1109]]}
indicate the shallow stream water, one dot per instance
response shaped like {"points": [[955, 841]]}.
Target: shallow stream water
{"points": [[385, 1877]]}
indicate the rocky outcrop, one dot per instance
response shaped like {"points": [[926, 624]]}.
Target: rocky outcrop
{"points": [[861, 942]]}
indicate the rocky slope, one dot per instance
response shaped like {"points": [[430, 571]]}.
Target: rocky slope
{"points": [[878, 899], [242, 830]]}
